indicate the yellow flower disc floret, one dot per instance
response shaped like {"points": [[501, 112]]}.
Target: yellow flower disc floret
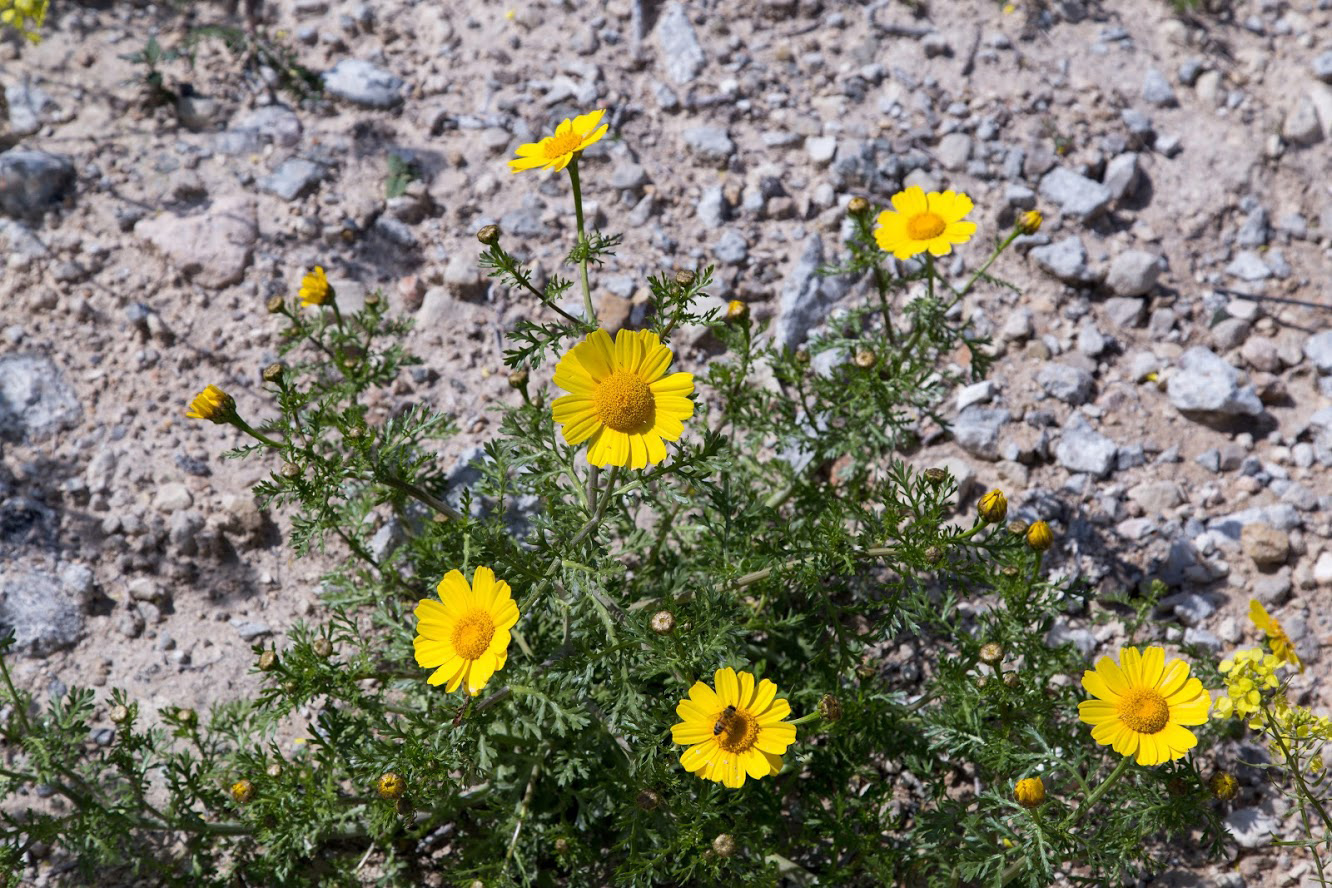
{"points": [[1142, 703], [621, 400], [920, 223], [734, 732], [555, 152], [464, 636]]}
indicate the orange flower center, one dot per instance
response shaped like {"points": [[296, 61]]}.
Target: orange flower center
{"points": [[562, 144], [625, 403], [925, 226], [739, 731], [1144, 710], [472, 635]]}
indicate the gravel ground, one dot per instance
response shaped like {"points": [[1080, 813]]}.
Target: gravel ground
{"points": [[1163, 393]]}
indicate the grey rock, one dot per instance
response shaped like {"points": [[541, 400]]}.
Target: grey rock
{"points": [[1301, 126], [680, 53], [710, 143], [628, 176], [805, 298], [1272, 589], [1204, 383], [1061, 634], [1282, 516], [1248, 266], [1156, 497], [1083, 449], [294, 178], [1138, 124], [1318, 349], [953, 151], [1266, 545], [363, 83], [172, 497], [1202, 638], [214, 247], [1322, 66], [28, 105], [1190, 608], [976, 393], [1230, 333], [1091, 342], [1075, 194], [249, 630], [198, 113], [18, 240], [1020, 197], [731, 248], [36, 401], [1125, 311], [712, 208], [1255, 231], [396, 232], [1134, 272], [1065, 259], [1156, 89], [1018, 326], [43, 613], [274, 123], [32, 182], [821, 149], [1121, 175], [1252, 827], [1072, 385], [977, 429]]}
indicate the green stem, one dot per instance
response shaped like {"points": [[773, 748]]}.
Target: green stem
{"points": [[1095, 796], [430, 500], [261, 438], [582, 241], [805, 719], [988, 262]]}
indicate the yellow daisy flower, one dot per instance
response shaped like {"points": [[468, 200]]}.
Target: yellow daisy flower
{"points": [[315, 289], [734, 732], [622, 402], [1277, 639], [1029, 792], [555, 152], [465, 636], [212, 404], [1142, 704], [921, 222]]}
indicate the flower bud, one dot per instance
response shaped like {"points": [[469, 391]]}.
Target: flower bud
{"points": [[1223, 786], [268, 661], [242, 791], [737, 312], [992, 653], [561, 846], [276, 305], [648, 800], [857, 206], [372, 299], [684, 277], [187, 716], [662, 622], [391, 786], [212, 404], [489, 235], [322, 647], [830, 708], [865, 358], [290, 471], [274, 770], [273, 372], [936, 476], [1009, 571], [1039, 536], [933, 554], [993, 507], [802, 355], [1029, 792], [1017, 527], [1011, 679], [518, 379], [724, 845], [119, 714], [1030, 222]]}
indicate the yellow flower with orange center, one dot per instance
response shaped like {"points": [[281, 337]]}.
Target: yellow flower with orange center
{"points": [[1277, 639], [921, 222], [1142, 704], [464, 636], [621, 401], [734, 732], [555, 152]]}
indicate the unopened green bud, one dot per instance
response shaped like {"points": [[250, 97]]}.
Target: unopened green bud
{"points": [[684, 277], [830, 708], [857, 206]]}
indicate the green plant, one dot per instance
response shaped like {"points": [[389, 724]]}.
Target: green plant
{"points": [[785, 537]]}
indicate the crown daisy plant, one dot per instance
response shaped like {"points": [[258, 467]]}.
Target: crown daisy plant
{"points": [[621, 400], [734, 732], [464, 635]]}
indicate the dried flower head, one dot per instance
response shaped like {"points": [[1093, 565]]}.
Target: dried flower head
{"points": [[993, 507], [936, 476], [992, 653], [242, 791], [274, 371], [322, 648], [268, 661], [724, 845], [648, 800], [662, 622], [866, 358], [1030, 792], [489, 235], [119, 714], [555, 152], [518, 379], [276, 305], [857, 206], [830, 708], [390, 786], [274, 770], [1017, 527], [685, 277]]}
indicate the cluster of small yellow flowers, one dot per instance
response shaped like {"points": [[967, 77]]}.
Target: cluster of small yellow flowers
{"points": [[1277, 639], [1248, 673], [25, 16], [1293, 724]]}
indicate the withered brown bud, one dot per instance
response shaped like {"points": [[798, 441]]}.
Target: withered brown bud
{"points": [[1017, 527], [830, 708], [268, 661], [648, 800], [684, 277], [518, 379], [662, 622], [865, 358], [933, 554], [489, 235], [273, 372], [724, 845], [991, 653], [119, 714], [290, 471], [276, 305], [322, 647], [936, 476]]}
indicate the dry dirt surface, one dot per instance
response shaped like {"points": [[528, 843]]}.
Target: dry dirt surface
{"points": [[1163, 393]]}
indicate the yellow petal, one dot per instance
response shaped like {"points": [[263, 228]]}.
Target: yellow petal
{"points": [[1152, 665], [728, 686], [910, 201], [677, 384], [585, 123], [596, 136]]}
